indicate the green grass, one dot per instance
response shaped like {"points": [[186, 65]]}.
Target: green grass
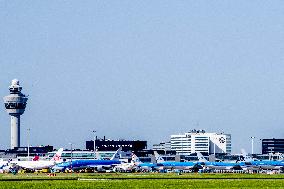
{"points": [[138, 175], [149, 181], [145, 184]]}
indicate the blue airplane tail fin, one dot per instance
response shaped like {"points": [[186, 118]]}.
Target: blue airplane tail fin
{"points": [[135, 159], [159, 158], [201, 158], [116, 156]]}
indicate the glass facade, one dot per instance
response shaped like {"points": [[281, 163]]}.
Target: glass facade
{"points": [[272, 146]]}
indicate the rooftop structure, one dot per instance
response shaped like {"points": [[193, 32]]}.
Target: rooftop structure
{"points": [[113, 145]]}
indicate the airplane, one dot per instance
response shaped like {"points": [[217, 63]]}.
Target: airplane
{"points": [[223, 165], [219, 165], [140, 166], [190, 165], [247, 163], [97, 164], [39, 164], [128, 167], [253, 164], [137, 165], [265, 165], [3, 164]]}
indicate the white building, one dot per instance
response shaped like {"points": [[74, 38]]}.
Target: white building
{"points": [[200, 141]]}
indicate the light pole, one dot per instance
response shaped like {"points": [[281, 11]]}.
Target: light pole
{"points": [[71, 166], [94, 143], [215, 138], [252, 144], [28, 138]]}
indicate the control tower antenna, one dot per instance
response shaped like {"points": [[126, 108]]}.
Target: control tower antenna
{"points": [[15, 105]]}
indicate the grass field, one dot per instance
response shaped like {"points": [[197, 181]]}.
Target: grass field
{"points": [[147, 180]]}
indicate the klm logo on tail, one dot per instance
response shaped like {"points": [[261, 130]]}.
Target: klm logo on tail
{"points": [[159, 158], [200, 157], [134, 158]]}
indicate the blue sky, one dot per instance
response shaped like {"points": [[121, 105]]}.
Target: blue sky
{"points": [[144, 69]]}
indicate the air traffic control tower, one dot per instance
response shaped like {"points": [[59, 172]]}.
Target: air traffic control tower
{"points": [[15, 105]]}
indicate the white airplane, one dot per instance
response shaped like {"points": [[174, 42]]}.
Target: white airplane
{"points": [[3, 164], [39, 164], [128, 167]]}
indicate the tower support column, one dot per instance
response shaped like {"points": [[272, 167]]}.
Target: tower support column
{"points": [[15, 131]]}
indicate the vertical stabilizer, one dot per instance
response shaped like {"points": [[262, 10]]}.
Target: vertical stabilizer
{"points": [[159, 158], [57, 155], [135, 159], [116, 156], [200, 157], [98, 156], [247, 158]]}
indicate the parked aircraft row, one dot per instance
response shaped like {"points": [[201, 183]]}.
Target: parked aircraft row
{"points": [[114, 164], [202, 163]]}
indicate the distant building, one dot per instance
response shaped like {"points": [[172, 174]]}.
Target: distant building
{"points": [[113, 145], [272, 146], [23, 151], [163, 146], [83, 154], [200, 141]]}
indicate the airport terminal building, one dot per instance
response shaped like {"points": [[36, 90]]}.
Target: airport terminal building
{"points": [[272, 146], [200, 141], [112, 145]]}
